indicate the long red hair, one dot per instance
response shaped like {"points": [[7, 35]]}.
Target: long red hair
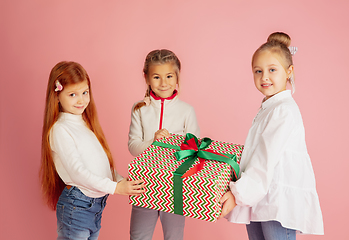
{"points": [[66, 73]]}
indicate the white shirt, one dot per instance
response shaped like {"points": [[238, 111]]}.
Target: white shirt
{"points": [[79, 158], [277, 181], [178, 118]]}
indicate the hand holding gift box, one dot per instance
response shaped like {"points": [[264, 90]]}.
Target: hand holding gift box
{"points": [[185, 177]]}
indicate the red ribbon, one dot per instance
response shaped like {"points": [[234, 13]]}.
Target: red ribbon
{"points": [[198, 167]]}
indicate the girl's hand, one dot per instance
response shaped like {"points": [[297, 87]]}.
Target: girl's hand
{"points": [[228, 201], [161, 134], [126, 187]]}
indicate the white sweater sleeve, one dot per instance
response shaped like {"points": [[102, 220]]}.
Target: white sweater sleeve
{"points": [[136, 143], [255, 180], [64, 146], [191, 123]]}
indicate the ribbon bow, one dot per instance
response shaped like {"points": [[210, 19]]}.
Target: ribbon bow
{"points": [[191, 151]]}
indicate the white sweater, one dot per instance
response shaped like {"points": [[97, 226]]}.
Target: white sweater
{"points": [[79, 158], [178, 118], [277, 180]]}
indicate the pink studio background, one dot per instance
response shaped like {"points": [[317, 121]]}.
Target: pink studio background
{"points": [[215, 41]]}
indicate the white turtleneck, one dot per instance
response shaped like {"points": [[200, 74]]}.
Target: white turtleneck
{"points": [[79, 158]]}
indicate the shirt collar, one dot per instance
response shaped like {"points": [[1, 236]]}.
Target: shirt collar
{"points": [[276, 98], [159, 98]]}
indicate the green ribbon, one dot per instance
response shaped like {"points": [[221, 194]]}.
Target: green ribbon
{"points": [[191, 153]]}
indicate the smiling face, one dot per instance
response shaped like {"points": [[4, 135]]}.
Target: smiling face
{"points": [[270, 76], [162, 79], [74, 98]]}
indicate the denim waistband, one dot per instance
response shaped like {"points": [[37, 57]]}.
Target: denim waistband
{"points": [[77, 193]]}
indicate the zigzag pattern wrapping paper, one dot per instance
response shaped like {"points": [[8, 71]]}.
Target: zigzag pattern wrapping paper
{"points": [[201, 191]]}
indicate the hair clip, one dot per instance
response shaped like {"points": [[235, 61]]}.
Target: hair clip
{"points": [[293, 50], [146, 100], [59, 86]]}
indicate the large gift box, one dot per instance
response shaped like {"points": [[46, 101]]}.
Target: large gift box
{"points": [[185, 175]]}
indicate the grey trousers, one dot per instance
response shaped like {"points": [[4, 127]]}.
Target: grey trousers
{"points": [[143, 221]]}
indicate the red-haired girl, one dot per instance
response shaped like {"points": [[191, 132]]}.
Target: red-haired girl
{"points": [[77, 168]]}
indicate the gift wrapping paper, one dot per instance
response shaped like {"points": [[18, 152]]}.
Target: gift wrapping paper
{"points": [[201, 191]]}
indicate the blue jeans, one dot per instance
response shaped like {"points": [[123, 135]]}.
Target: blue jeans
{"points": [[79, 216], [271, 230]]}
